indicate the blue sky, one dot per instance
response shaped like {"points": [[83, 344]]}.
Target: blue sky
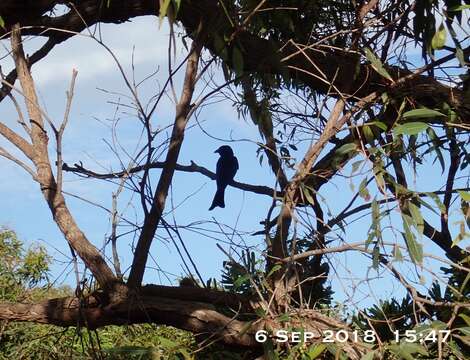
{"points": [[87, 137], [90, 128]]}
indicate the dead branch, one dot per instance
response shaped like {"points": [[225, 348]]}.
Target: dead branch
{"points": [[40, 158], [193, 168], [152, 219]]}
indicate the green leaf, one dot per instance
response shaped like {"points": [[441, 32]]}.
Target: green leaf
{"points": [[379, 174], [167, 343], [178, 4], [439, 39], [460, 57], [414, 348], [461, 235], [417, 217], [465, 318], [421, 113], [308, 195], [455, 349], [260, 312], [411, 128], [363, 192], [315, 351], [284, 317], [241, 280], [414, 248], [385, 98], [459, 8], [355, 166], [375, 257], [368, 356], [406, 350], [134, 350], [379, 124], [2, 22], [438, 201], [424, 203], [379, 177], [464, 330], [377, 64], [346, 148], [397, 253], [436, 147], [337, 351], [246, 327], [465, 195], [375, 214], [273, 270], [163, 10], [368, 134], [438, 325]]}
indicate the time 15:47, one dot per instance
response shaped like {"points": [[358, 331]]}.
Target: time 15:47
{"points": [[415, 336]]}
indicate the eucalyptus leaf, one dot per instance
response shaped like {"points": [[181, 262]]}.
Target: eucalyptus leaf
{"points": [[406, 350], [421, 113], [411, 128], [163, 10], [368, 134], [464, 330], [241, 280], [465, 318], [315, 351], [308, 195], [417, 217], [415, 249], [368, 356], [274, 269], [459, 8], [379, 124], [436, 147], [465, 195], [346, 148], [355, 166], [439, 39], [363, 192], [397, 253], [437, 200], [377, 64]]}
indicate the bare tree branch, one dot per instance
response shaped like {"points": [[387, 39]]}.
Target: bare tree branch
{"points": [[193, 168], [40, 157], [151, 221]]}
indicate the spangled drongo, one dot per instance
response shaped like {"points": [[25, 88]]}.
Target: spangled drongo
{"points": [[227, 167]]}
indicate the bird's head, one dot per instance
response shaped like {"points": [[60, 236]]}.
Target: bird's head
{"points": [[224, 150]]}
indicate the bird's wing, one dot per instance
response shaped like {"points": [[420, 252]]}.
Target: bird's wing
{"points": [[234, 167], [219, 173]]}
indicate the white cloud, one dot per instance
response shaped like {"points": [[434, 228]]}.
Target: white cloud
{"points": [[93, 61]]}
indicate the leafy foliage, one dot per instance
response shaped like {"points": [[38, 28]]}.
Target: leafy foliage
{"points": [[395, 133], [20, 269], [24, 277], [392, 315]]}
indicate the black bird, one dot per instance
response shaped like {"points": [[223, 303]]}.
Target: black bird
{"points": [[227, 167]]}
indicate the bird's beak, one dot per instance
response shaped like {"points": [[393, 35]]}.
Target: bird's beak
{"points": [[217, 151]]}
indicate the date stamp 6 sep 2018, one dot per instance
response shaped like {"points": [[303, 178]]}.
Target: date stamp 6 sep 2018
{"points": [[342, 336]]}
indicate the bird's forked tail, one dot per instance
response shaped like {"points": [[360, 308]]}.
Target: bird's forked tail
{"points": [[218, 199]]}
